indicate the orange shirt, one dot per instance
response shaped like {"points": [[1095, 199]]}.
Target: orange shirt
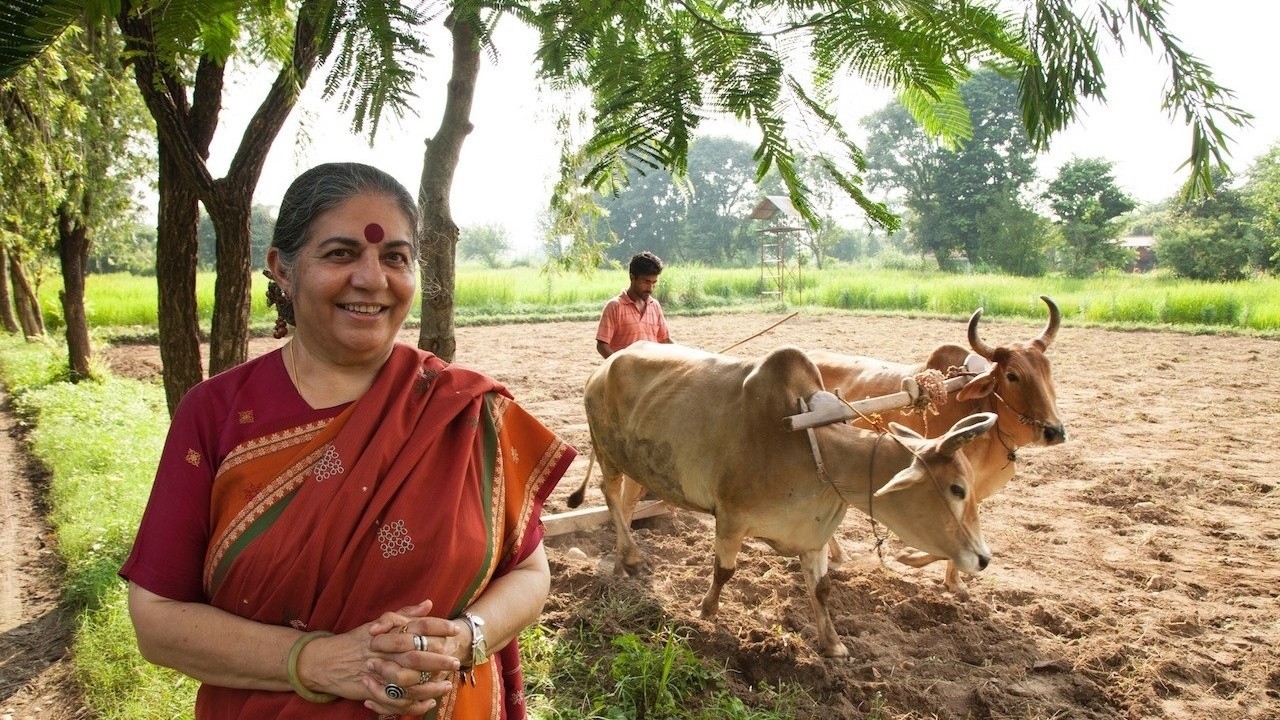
{"points": [[624, 321]]}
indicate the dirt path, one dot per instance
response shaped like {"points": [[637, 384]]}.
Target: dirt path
{"points": [[35, 667], [1135, 571]]}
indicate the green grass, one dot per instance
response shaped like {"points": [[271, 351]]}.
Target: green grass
{"points": [[589, 670], [122, 304]]}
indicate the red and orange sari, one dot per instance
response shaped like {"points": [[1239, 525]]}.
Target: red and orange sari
{"points": [[428, 486]]}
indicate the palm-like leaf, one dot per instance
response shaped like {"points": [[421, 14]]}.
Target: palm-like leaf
{"points": [[27, 27], [656, 68]]}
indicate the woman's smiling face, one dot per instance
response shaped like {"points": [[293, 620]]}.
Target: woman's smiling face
{"points": [[354, 280]]}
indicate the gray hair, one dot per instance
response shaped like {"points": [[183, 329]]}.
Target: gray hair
{"points": [[323, 188]]}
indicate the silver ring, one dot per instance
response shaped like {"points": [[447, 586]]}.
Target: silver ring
{"points": [[419, 643], [423, 678], [393, 691]]}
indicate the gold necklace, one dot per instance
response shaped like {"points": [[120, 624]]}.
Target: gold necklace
{"points": [[297, 377]]}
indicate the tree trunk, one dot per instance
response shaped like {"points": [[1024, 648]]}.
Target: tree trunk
{"points": [[73, 252], [30, 318], [183, 130], [229, 341], [178, 316], [230, 201], [439, 234], [7, 318]]}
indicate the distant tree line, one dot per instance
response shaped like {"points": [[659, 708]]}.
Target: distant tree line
{"points": [[975, 204]]}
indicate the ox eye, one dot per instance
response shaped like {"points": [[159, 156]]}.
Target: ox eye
{"points": [[1011, 377], [958, 491]]}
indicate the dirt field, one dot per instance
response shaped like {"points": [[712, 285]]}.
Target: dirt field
{"points": [[1135, 571]]}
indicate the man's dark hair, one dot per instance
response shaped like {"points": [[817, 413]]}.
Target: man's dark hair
{"points": [[644, 264]]}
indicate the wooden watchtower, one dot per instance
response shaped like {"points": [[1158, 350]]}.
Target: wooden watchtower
{"points": [[779, 261]]}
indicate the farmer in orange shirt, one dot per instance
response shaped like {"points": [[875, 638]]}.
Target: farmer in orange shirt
{"points": [[635, 314]]}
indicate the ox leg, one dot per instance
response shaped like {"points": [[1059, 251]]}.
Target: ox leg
{"points": [[952, 582], [838, 555], [630, 560], [813, 564], [726, 561]]}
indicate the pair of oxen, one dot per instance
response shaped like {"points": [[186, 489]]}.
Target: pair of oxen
{"points": [[709, 432]]}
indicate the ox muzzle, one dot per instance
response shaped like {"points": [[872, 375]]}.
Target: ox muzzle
{"points": [[1054, 434]]}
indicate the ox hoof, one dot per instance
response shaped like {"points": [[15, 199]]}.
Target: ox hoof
{"points": [[959, 590], [628, 568], [836, 651]]}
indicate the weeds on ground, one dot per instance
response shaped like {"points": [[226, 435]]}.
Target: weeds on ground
{"points": [[590, 669]]}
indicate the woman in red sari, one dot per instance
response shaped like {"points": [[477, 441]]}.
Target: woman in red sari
{"points": [[347, 527]]}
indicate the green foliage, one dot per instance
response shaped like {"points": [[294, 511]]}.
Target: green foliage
{"points": [[1068, 72], [623, 659], [122, 299], [655, 69], [1209, 238], [27, 28], [118, 682], [1015, 239], [133, 251], [1088, 203], [100, 442], [372, 50], [1198, 251], [68, 150], [658, 676], [964, 200], [891, 281], [262, 224], [487, 243], [700, 217], [25, 365], [1262, 193]]}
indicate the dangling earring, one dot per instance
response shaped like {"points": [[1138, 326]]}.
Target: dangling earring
{"points": [[284, 306]]}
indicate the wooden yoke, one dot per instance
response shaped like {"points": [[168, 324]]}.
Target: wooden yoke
{"points": [[826, 408]]}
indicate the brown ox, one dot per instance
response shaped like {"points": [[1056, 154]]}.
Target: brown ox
{"points": [[705, 432], [1017, 386]]}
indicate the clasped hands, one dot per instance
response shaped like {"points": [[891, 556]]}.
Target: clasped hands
{"points": [[399, 664]]}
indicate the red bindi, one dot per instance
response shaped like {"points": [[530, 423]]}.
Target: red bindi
{"points": [[373, 233]]}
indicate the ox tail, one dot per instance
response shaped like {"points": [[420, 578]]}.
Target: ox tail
{"points": [[576, 498]]}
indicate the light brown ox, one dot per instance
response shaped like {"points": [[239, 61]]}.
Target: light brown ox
{"points": [[1017, 387], [705, 432]]}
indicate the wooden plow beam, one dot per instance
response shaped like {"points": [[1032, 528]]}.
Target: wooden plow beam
{"points": [[583, 518]]}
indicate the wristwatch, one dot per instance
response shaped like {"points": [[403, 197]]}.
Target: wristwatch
{"points": [[479, 648]]}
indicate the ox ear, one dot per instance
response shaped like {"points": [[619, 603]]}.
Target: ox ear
{"points": [[963, 432], [904, 431], [980, 386], [904, 479]]}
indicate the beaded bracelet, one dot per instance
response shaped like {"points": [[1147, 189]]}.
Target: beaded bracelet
{"points": [[294, 680]]}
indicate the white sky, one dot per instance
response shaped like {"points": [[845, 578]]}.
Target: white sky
{"points": [[509, 160]]}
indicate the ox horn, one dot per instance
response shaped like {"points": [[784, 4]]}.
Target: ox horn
{"points": [[1050, 329], [975, 342]]}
